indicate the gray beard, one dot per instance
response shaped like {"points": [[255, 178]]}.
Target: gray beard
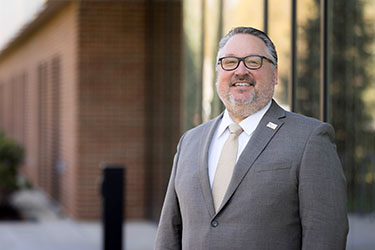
{"points": [[250, 106]]}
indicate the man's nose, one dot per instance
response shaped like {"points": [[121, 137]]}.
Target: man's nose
{"points": [[241, 69]]}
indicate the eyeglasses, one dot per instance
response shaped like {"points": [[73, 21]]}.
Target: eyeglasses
{"points": [[251, 62]]}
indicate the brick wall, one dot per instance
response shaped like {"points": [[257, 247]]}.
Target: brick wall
{"points": [[30, 112], [111, 100], [99, 82], [129, 98]]}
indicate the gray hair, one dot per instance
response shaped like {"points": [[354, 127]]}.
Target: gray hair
{"points": [[271, 51]]}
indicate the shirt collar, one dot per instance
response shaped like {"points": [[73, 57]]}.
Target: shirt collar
{"points": [[248, 125]]}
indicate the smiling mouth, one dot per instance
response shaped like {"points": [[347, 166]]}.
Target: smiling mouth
{"points": [[242, 84]]}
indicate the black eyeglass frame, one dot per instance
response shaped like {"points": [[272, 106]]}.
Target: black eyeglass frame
{"points": [[242, 59]]}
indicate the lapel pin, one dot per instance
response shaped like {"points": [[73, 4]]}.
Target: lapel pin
{"points": [[272, 125]]}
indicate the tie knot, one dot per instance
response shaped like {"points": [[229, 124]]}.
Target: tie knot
{"points": [[234, 128]]}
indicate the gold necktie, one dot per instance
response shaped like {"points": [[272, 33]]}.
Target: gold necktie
{"points": [[226, 165]]}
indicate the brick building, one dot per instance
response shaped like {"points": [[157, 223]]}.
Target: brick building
{"points": [[93, 82]]}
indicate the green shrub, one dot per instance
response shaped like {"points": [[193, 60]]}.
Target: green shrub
{"points": [[11, 156]]}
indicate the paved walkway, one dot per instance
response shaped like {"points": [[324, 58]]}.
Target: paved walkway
{"points": [[70, 235], [47, 229], [361, 233]]}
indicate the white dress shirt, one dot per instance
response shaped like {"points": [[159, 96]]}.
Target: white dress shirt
{"points": [[221, 134]]}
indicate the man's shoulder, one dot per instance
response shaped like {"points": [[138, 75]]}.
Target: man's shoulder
{"points": [[203, 127], [299, 123], [300, 118], [199, 133], [294, 119]]}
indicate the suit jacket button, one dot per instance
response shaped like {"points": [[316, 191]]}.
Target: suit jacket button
{"points": [[214, 223]]}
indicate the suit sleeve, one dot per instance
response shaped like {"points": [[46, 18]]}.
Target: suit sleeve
{"points": [[322, 193], [169, 233]]}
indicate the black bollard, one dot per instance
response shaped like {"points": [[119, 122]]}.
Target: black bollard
{"points": [[113, 207]]}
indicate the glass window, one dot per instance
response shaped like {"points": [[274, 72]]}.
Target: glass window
{"points": [[193, 49], [279, 15], [352, 97], [243, 13], [212, 33], [308, 58]]}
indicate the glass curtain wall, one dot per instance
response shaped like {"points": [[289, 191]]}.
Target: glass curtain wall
{"points": [[213, 17], [193, 34], [350, 91], [242, 13], [308, 58], [351, 102], [279, 30]]}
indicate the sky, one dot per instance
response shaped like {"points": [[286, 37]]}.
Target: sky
{"points": [[14, 14]]}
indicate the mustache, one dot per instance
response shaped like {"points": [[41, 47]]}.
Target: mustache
{"points": [[245, 78]]}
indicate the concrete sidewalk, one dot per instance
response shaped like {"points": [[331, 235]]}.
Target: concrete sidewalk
{"points": [[361, 232], [47, 229], [70, 235]]}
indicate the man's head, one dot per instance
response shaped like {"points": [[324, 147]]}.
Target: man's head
{"points": [[246, 71]]}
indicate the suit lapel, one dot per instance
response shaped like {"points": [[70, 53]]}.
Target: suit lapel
{"points": [[267, 128], [203, 163]]}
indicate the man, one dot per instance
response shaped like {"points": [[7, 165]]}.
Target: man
{"points": [[273, 181]]}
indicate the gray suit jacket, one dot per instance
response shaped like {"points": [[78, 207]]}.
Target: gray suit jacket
{"points": [[287, 192]]}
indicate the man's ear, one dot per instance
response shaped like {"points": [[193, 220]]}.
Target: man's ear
{"points": [[275, 76]]}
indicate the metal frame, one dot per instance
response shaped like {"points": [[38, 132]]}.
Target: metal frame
{"points": [[324, 60], [293, 66], [265, 17]]}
